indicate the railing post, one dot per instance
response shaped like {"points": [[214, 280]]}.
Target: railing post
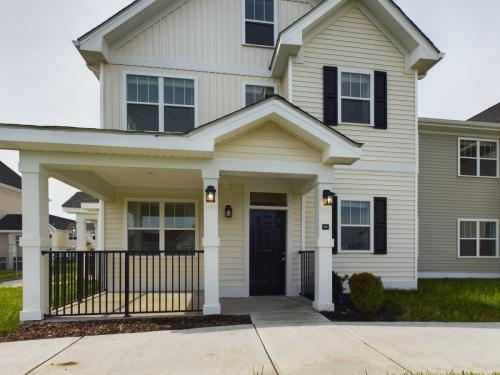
{"points": [[127, 314], [79, 277]]}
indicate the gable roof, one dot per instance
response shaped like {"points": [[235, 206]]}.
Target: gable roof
{"points": [[421, 54], [78, 198], [9, 177], [491, 114], [14, 222]]}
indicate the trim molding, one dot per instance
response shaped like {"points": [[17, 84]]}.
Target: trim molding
{"points": [[458, 275]]}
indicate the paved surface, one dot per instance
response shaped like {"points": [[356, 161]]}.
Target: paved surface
{"points": [[12, 283], [287, 337]]}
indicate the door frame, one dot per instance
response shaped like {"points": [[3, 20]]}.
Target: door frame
{"points": [[279, 209]]}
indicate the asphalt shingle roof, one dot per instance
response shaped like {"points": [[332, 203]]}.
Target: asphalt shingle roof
{"points": [[9, 177], [15, 222], [78, 198]]}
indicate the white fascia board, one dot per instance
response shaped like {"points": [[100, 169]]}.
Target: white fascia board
{"points": [[434, 123], [9, 188]]}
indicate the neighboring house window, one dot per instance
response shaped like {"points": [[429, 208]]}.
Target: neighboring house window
{"points": [[259, 22], [478, 238], [180, 226], [254, 93], [160, 104], [71, 236], [478, 158], [355, 225], [143, 224], [356, 98]]}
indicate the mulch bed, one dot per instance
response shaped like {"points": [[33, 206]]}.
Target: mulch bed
{"points": [[346, 312], [47, 330]]}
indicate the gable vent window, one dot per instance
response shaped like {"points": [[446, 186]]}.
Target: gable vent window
{"points": [[356, 98], [478, 158], [254, 94], [160, 104], [259, 22]]}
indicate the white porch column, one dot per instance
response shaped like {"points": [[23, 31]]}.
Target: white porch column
{"points": [[323, 252], [211, 246], [12, 252], [35, 239], [81, 233]]}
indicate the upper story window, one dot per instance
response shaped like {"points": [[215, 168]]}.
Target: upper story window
{"points": [[160, 104], [478, 157], [356, 101], [477, 238], [254, 93], [259, 22]]}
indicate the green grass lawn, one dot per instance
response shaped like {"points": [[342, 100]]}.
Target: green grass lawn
{"points": [[11, 302], [449, 300], [8, 275]]}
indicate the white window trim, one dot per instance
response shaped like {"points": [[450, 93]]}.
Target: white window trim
{"points": [[161, 76], [363, 198], [369, 72], [162, 228], [243, 26], [477, 256], [478, 158], [244, 85]]}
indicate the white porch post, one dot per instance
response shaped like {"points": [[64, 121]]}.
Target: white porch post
{"points": [[81, 233], [211, 246], [35, 239], [12, 253], [323, 251]]}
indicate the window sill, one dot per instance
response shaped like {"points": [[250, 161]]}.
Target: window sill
{"points": [[478, 257], [257, 45], [364, 252], [356, 124], [473, 176]]}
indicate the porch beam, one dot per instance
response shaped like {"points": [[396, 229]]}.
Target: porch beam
{"points": [[86, 181]]}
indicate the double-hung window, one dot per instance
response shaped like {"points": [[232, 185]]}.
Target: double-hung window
{"points": [[143, 225], [160, 103], [355, 225], [478, 157], [356, 101], [259, 22], [477, 238], [254, 93], [180, 226]]}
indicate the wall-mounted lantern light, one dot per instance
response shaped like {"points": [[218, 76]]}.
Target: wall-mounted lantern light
{"points": [[210, 194], [328, 198], [228, 211]]}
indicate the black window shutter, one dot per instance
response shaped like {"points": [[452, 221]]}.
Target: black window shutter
{"points": [[335, 225], [330, 89], [381, 100], [380, 225]]}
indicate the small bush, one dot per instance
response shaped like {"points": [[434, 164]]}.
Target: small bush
{"points": [[338, 285], [367, 292]]}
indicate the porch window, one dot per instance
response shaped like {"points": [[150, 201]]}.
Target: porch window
{"points": [[356, 98], [355, 225], [478, 158], [180, 226], [477, 238], [254, 93], [143, 225], [259, 22], [160, 103]]}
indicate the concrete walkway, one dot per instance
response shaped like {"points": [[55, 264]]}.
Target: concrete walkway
{"points": [[287, 337]]}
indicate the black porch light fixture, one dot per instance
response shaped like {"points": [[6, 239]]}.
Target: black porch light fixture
{"points": [[328, 198], [210, 194], [228, 211]]}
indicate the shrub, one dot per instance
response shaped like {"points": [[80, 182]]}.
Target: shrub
{"points": [[367, 292], [338, 285]]}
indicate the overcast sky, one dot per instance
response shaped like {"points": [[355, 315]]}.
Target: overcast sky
{"points": [[44, 81]]}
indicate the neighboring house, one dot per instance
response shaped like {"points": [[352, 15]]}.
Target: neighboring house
{"points": [[225, 127], [86, 209], [491, 114]]}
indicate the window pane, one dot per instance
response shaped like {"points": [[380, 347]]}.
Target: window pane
{"points": [[488, 150], [365, 86], [250, 9], [355, 238], [180, 215], [488, 167], [356, 111], [487, 248], [132, 88], [487, 229], [467, 248], [149, 214], [346, 84], [179, 240], [189, 94], [268, 199], [133, 215], [468, 148], [468, 229], [259, 34], [179, 119], [355, 85], [355, 213], [468, 167], [142, 117], [255, 93], [365, 213], [143, 240], [153, 90], [345, 212], [178, 91], [143, 95], [269, 10], [170, 215], [259, 10], [168, 90]]}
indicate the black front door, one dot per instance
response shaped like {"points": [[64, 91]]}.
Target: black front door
{"points": [[267, 252]]}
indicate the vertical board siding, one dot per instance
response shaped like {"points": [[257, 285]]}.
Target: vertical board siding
{"points": [[444, 197], [296, 246]]}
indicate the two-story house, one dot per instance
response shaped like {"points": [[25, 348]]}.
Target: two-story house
{"points": [[246, 147]]}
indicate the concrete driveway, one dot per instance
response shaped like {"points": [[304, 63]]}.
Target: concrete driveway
{"points": [[296, 341]]}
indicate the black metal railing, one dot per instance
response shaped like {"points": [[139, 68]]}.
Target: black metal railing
{"points": [[307, 274], [124, 282]]}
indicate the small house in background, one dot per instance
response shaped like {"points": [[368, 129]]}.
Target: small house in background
{"points": [[86, 209]]}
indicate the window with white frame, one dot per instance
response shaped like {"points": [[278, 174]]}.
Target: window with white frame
{"points": [[160, 103], [355, 105], [259, 22], [478, 157], [355, 225], [477, 238], [255, 93], [143, 226], [180, 226]]}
